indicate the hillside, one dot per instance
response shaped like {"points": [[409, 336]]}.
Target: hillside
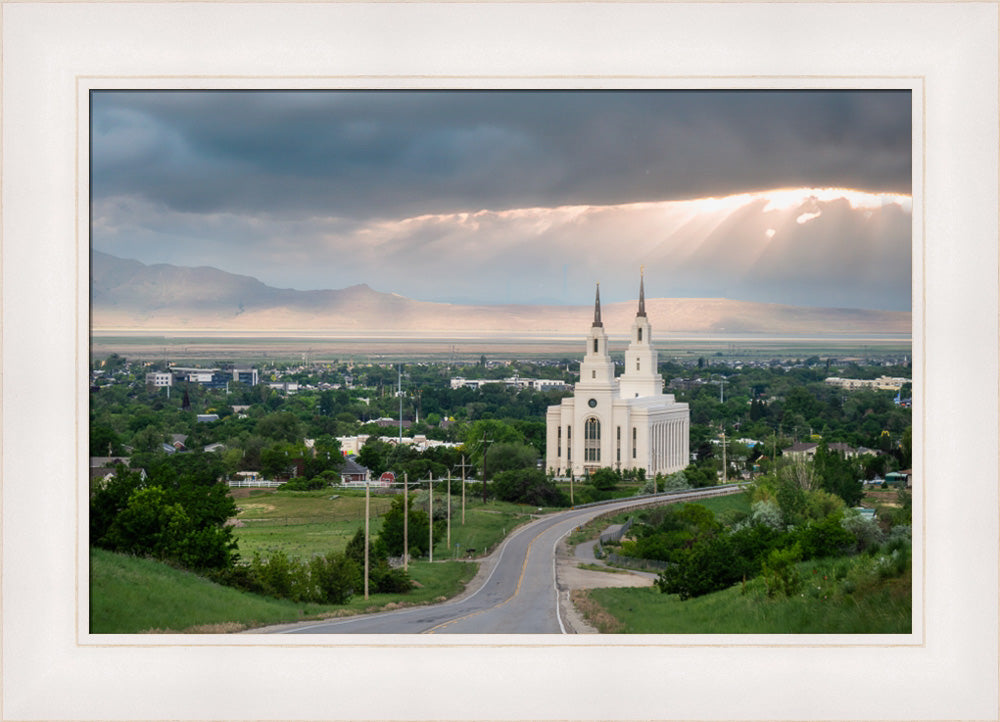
{"points": [[166, 299]]}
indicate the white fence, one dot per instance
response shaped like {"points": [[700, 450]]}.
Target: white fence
{"points": [[256, 483]]}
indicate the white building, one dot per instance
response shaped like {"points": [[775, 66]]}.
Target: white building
{"points": [[625, 422], [160, 379]]}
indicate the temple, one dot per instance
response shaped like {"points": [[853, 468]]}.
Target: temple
{"points": [[623, 422]]}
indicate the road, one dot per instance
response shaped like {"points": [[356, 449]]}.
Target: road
{"points": [[519, 596]]}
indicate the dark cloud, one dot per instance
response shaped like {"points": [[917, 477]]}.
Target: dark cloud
{"points": [[393, 154]]}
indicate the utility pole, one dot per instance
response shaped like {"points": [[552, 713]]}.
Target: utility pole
{"points": [[406, 522], [367, 507], [724, 474], [486, 443], [400, 403], [448, 502], [463, 489], [430, 526]]}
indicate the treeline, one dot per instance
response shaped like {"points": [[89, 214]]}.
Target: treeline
{"points": [[174, 510], [801, 512]]}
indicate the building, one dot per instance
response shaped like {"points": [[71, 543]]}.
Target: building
{"points": [[882, 383], [805, 450], [625, 422], [159, 379], [210, 378]]}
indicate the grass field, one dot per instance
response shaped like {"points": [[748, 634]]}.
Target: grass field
{"points": [[302, 523], [132, 595], [839, 596], [307, 523]]}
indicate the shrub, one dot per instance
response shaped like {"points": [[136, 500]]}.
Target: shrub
{"points": [[527, 486], [780, 573], [766, 513], [334, 578], [866, 531], [825, 538], [708, 566]]}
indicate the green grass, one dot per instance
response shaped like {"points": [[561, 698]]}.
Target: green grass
{"points": [[131, 595], [845, 595], [306, 523], [303, 523], [486, 525], [718, 504], [297, 540]]}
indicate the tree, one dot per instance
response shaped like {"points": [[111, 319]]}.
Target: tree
{"points": [[280, 426], [374, 456], [605, 479], [509, 456], [391, 535], [527, 486], [838, 475], [104, 441]]}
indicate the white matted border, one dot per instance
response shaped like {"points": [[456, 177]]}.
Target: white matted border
{"points": [[53, 52]]}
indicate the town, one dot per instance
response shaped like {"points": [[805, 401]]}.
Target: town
{"points": [[286, 456]]}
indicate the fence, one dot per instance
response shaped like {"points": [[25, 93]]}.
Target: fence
{"points": [[649, 565], [256, 483]]}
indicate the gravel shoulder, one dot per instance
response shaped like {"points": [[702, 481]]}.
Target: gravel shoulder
{"points": [[569, 577]]}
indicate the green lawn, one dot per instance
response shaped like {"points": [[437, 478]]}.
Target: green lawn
{"points": [[839, 596], [307, 523], [130, 595]]}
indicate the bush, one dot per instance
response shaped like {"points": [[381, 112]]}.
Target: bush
{"points": [[825, 538], [527, 486], [605, 479], [334, 578], [708, 566], [766, 513], [866, 531], [780, 573], [300, 483]]}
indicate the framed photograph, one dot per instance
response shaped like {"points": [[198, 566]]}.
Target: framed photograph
{"points": [[291, 188]]}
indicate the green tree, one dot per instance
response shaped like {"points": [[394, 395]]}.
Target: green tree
{"points": [[527, 486], [418, 531], [508, 456], [605, 479]]}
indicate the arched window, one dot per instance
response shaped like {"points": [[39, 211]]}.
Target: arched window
{"points": [[592, 440], [595, 345], [640, 333]]}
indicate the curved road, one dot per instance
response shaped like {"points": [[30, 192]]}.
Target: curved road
{"points": [[520, 594]]}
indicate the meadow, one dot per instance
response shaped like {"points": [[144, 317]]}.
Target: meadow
{"points": [[306, 523], [839, 595], [130, 595]]}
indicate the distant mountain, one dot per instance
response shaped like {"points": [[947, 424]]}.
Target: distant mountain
{"points": [[127, 295]]}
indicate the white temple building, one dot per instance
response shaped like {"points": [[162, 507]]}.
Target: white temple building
{"points": [[625, 422]]}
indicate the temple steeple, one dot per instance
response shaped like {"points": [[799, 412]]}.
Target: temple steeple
{"points": [[642, 293], [641, 377], [597, 370]]}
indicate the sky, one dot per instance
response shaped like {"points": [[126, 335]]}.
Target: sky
{"points": [[799, 197]]}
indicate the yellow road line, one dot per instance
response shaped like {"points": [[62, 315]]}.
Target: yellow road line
{"points": [[517, 590]]}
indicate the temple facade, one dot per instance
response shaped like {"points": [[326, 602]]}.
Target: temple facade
{"points": [[623, 422]]}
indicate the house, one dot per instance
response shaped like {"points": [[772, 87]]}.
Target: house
{"points": [[804, 450], [352, 471], [207, 418], [900, 478]]}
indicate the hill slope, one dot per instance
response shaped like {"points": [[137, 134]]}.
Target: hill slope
{"points": [[128, 295]]}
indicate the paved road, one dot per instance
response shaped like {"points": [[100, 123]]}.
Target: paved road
{"points": [[519, 596]]}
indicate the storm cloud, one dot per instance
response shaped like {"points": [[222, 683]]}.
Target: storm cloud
{"points": [[274, 183]]}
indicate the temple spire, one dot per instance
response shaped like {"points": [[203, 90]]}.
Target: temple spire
{"points": [[642, 292], [597, 307]]}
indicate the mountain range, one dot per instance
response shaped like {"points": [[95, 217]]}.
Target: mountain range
{"points": [[129, 296]]}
